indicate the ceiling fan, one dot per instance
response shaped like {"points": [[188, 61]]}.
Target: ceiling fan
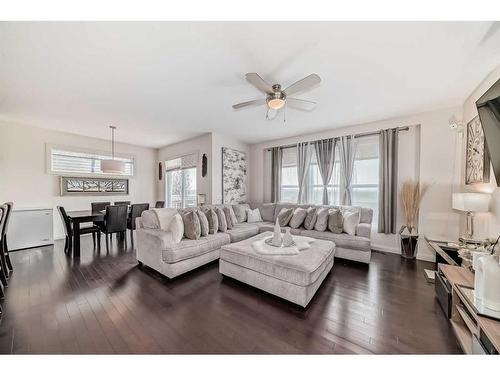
{"points": [[276, 98]]}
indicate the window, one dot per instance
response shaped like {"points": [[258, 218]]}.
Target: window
{"points": [[364, 180], [64, 160], [180, 182]]}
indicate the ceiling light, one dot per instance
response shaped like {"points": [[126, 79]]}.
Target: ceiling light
{"points": [[112, 166], [276, 103]]}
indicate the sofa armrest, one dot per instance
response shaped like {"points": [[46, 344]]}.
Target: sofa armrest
{"points": [[153, 239], [364, 230]]}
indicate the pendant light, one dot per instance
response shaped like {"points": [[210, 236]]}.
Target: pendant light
{"points": [[112, 166]]}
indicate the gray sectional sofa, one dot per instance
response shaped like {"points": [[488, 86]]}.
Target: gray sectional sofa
{"points": [[155, 248]]}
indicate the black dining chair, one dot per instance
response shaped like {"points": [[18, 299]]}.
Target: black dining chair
{"points": [[68, 231], [3, 265], [97, 207], [136, 211], [126, 203], [160, 204], [115, 221], [4, 248]]}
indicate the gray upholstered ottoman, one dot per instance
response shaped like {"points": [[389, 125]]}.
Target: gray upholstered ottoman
{"points": [[295, 278]]}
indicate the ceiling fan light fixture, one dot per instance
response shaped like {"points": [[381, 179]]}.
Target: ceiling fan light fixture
{"points": [[276, 103]]}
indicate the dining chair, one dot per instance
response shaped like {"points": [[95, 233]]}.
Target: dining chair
{"points": [[127, 203], [97, 207], [68, 231], [3, 265], [4, 248], [160, 204], [136, 211], [115, 221]]}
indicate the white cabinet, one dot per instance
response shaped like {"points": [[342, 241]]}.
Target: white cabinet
{"points": [[30, 227]]}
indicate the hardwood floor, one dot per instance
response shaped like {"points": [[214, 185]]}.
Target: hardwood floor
{"points": [[105, 303]]}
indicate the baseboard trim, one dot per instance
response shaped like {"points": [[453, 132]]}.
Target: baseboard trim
{"points": [[392, 250]]}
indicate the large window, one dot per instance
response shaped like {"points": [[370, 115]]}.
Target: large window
{"points": [[180, 182], [72, 161], [364, 179]]}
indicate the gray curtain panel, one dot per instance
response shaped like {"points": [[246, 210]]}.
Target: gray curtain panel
{"points": [[388, 180], [325, 156], [303, 162], [347, 152], [276, 157]]}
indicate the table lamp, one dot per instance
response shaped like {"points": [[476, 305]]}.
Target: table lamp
{"points": [[471, 203]]}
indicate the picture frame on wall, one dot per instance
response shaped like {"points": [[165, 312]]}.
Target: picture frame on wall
{"points": [[477, 159], [234, 176]]}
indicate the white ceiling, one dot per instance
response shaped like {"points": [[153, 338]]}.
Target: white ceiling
{"points": [[163, 82]]}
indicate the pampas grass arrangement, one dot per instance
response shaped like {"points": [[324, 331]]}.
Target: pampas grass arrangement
{"points": [[410, 196]]}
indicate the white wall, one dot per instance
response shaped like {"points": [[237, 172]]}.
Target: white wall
{"points": [[210, 144], [23, 177], [427, 152], [485, 224], [198, 145]]}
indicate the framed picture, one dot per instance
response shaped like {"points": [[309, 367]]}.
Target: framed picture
{"points": [[477, 159], [93, 186], [234, 176]]}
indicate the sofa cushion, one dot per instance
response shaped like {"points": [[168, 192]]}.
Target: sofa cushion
{"points": [[284, 216], [213, 221], [335, 221], [267, 211], [150, 220], [242, 231], [321, 219], [229, 219], [311, 217], [205, 228], [240, 211], [351, 217], [341, 240], [187, 249], [299, 214], [221, 216], [192, 227], [253, 216]]}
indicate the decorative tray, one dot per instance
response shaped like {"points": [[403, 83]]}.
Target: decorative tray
{"points": [[269, 241]]}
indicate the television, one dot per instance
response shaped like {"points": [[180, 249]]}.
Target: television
{"points": [[488, 107]]}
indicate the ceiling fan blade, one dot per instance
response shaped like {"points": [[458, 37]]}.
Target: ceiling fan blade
{"points": [[303, 105], [492, 30], [271, 114], [259, 83], [304, 84], [250, 103]]}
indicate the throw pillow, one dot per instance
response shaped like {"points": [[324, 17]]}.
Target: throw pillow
{"points": [[335, 221], [177, 228], [321, 219], [267, 211], [298, 217], [351, 218], [203, 223], [253, 216], [310, 219], [229, 218], [221, 216], [240, 211], [213, 221], [284, 216], [192, 228]]}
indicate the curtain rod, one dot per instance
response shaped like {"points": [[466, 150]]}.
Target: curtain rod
{"points": [[359, 135]]}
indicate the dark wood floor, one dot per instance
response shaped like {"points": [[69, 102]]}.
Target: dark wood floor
{"points": [[107, 304]]}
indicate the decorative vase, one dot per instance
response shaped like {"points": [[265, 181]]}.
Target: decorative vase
{"points": [[478, 275], [409, 245], [287, 238], [277, 234], [491, 282]]}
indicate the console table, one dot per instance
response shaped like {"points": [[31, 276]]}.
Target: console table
{"points": [[473, 332]]}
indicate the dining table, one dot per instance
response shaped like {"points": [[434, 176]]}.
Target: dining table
{"points": [[78, 217]]}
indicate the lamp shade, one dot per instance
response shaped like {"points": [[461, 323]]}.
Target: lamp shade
{"points": [[471, 202], [112, 166]]}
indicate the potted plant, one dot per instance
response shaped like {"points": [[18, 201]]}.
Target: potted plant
{"points": [[410, 196]]}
